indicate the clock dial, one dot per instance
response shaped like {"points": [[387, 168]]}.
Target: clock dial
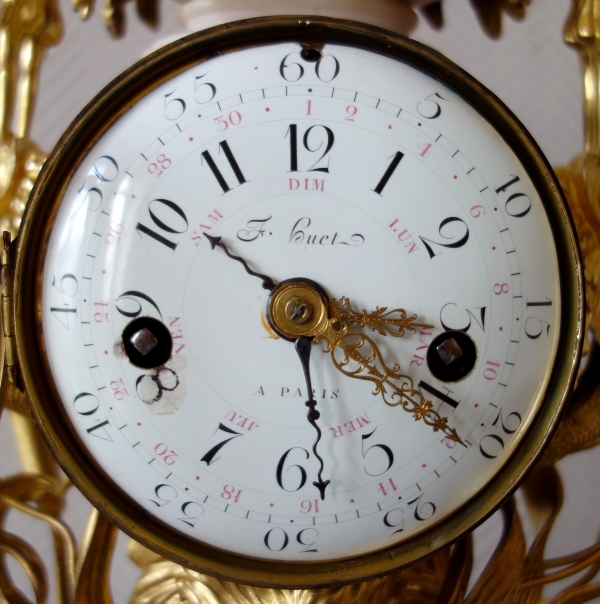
{"points": [[364, 174]]}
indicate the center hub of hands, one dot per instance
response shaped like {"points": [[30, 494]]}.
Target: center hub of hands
{"points": [[297, 307]]}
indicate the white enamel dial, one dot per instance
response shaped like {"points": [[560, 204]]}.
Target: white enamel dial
{"points": [[361, 173]]}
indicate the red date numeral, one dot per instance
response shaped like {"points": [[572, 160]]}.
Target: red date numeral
{"points": [[169, 457], [160, 165], [231, 493], [119, 390], [102, 314]]}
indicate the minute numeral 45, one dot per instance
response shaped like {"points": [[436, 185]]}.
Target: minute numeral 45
{"points": [[68, 286]]}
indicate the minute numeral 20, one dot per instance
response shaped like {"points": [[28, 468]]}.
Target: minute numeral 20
{"points": [[492, 445]]}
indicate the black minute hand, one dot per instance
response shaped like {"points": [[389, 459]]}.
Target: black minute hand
{"points": [[303, 347], [268, 283]]}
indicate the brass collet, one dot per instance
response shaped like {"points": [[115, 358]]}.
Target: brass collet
{"points": [[297, 309]]}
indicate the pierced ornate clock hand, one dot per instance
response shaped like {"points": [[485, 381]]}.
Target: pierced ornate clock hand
{"points": [[303, 347], [328, 321], [395, 388], [378, 320], [299, 308]]}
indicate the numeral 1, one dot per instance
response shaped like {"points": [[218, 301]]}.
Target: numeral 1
{"points": [[388, 173], [443, 397]]}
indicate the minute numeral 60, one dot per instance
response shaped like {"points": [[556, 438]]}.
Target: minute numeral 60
{"points": [[327, 68]]}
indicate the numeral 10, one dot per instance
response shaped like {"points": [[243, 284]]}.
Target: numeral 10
{"points": [[491, 372]]}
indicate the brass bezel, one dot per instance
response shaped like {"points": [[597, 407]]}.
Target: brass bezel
{"points": [[117, 98]]}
